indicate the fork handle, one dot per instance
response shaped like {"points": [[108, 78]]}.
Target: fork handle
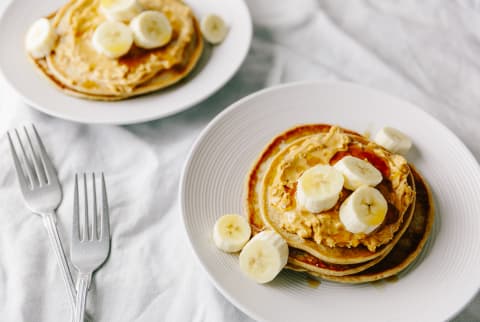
{"points": [[50, 223], [82, 287], [49, 220]]}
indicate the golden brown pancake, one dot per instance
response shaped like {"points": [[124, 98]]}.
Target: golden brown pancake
{"points": [[77, 69], [408, 247], [271, 188]]}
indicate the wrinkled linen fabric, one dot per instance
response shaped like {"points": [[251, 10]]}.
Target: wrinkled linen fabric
{"points": [[427, 52]]}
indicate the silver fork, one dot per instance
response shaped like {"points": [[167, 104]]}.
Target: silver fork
{"points": [[90, 244], [42, 193]]}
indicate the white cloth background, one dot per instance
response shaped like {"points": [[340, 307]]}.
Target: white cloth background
{"points": [[427, 52]]}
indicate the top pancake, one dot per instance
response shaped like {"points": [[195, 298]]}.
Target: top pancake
{"points": [[272, 182], [78, 69]]}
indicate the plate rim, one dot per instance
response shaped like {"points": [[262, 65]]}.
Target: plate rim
{"points": [[134, 119], [237, 104]]}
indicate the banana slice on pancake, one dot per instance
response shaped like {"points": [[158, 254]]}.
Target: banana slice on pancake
{"points": [[364, 210], [40, 38], [319, 187], [113, 39], [120, 10], [151, 29], [358, 172]]}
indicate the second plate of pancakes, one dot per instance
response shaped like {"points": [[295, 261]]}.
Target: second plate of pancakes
{"points": [[213, 69], [319, 244], [213, 184]]}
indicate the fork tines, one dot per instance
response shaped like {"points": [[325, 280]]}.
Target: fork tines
{"points": [[98, 215], [33, 161]]}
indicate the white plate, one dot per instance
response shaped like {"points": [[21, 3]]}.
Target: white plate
{"points": [[443, 279], [216, 67]]}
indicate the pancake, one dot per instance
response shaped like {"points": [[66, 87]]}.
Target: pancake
{"points": [[409, 246], [327, 144], [77, 69]]}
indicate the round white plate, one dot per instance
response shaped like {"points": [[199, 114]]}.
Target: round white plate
{"points": [[217, 65], [441, 281]]}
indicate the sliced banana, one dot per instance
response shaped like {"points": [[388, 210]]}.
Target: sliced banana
{"points": [[358, 172], [151, 29], [213, 28], [231, 232], [264, 256], [393, 140], [364, 210], [318, 188], [112, 39], [120, 10], [40, 38]]}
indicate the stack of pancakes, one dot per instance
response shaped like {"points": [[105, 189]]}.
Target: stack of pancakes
{"points": [[318, 242], [77, 69]]}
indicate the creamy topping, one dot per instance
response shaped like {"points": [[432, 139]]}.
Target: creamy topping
{"points": [[325, 228]]}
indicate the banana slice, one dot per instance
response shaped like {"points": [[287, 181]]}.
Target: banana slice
{"points": [[264, 256], [151, 29], [120, 10], [112, 39], [393, 140], [40, 38], [214, 28], [231, 232], [319, 187], [364, 210], [358, 172]]}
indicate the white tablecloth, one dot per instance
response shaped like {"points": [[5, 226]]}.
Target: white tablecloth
{"points": [[427, 52]]}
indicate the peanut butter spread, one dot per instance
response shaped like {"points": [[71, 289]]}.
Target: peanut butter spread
{"points": [[325, 227]]}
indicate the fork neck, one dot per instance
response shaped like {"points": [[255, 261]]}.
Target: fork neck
{"points": [[49, 213], [85, 278], [83, 283]]}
